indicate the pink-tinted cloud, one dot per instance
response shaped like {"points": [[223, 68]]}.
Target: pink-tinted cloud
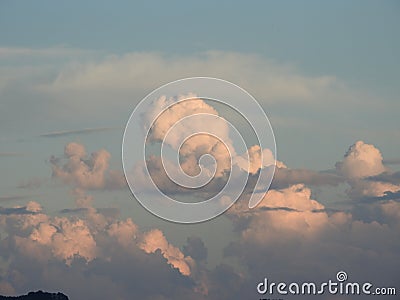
{"points": [[87, 172], [155, 240]]}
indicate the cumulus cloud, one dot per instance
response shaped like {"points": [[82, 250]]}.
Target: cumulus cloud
{"points": [[167, 129], [192, 140], [360, 161], [297, 197], [86, 172], [95, 243], [364, 171], [291, 237], [65, 238], [256, 158]]}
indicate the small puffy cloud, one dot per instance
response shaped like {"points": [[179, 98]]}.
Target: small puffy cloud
{"points": [[124, 231], [86, 172], [365, 172], [33, 207], [360, 161], [296, 197], [75, 150], [257, 159]]}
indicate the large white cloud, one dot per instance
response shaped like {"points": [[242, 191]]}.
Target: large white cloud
{"points": [[167, 129]]}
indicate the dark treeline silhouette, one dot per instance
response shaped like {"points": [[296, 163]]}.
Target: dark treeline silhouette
{"points": [[39, 295]]}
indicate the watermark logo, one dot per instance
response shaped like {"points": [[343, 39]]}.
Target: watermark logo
{"points": [[340, 286], [193, 147]]}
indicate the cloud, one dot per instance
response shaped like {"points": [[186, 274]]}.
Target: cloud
{"points": [[31, 207], [167, 129], [78, 132], [295, 238], [85, 83], [268, 78], [117, 258], [360, 161], [193, 128], [363, 169], [155, 240], [289, 236], [87, 172], [256, 158]]}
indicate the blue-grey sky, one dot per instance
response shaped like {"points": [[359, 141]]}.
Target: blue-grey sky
{"points": [[357, 41]]}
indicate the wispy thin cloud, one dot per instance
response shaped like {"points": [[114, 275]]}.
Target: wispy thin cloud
{"points": [[78, 131]]}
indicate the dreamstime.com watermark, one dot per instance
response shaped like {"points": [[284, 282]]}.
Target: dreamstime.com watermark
{"points": [[340, 286]]}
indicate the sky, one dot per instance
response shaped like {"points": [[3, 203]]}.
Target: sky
{"points": [[71, 73]]}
